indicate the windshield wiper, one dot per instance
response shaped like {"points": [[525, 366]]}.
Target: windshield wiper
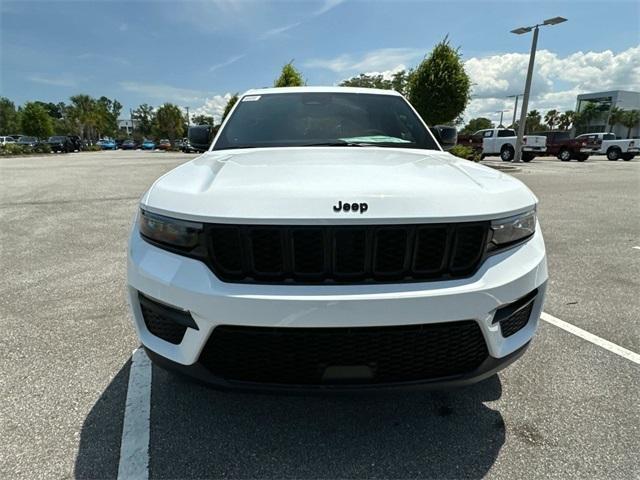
{"points": [[337, 143]]}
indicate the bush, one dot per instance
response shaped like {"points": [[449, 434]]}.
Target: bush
{"points": [[41, 148], [92, 148], [13, 149], [465, 152]]}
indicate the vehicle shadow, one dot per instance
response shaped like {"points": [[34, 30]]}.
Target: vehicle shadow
{"points": [[99, 450], [199, 432]]}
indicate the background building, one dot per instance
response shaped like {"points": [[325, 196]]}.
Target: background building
{"points": [[605, 101], [126, 125]]}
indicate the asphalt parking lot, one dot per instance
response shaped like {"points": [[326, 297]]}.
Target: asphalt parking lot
{"points": [[568, 409]]}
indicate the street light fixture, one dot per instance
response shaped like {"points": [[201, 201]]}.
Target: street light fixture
{"points": [[515, 108], [527, 86]]}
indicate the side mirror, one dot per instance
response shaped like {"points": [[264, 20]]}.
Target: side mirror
{"points": [[200, 137], [446, 135]]}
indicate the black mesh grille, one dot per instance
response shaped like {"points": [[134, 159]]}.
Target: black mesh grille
{"points": [[164, 322], [516, 322], [301, 356], [349, 254]]}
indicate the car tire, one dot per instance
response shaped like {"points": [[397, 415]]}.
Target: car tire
{"points": [[506, 154], [627, 156], [613, 154], [564, 155], [527, 157], [581, 157]]}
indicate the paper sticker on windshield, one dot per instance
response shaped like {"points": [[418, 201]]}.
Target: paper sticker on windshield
{"points": [[251, 98]]}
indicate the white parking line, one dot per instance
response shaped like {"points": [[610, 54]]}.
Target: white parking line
{"points": [[637, 248], [601, 342], [134, 448]]}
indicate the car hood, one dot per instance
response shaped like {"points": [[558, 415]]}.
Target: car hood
{"points": [[301, 185]]}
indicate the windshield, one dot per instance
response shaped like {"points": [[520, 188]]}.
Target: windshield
{"points": [[56, 139], [315, 119]]}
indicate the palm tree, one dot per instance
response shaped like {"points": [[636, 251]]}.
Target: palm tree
{"points": [[551, 118], [533, 121], [588, 114], [615, 116], [566, 120], [631, 119]]}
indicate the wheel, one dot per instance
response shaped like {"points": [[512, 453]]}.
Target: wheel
{"points": [[507, 153], [627, 156], [582, 156], [613, 154], [564, 155], [527, 156]]}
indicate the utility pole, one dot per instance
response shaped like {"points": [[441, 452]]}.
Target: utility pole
{"points": [[527, 87], [515, 108]]}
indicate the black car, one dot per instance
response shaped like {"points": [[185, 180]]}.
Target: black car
{"points": [[77, 142], [26, 141], [60, 143], [129, 145]]}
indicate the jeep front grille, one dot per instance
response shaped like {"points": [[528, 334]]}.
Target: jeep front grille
{"points": [[344, 254]]}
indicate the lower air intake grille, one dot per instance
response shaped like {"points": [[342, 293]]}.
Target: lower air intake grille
{"points": [[164, 322], [301, 356], [516, 322]]}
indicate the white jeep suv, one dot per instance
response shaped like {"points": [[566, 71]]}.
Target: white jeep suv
{"points": [[325, 242]]}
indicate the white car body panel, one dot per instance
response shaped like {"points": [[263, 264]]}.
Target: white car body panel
{"points": [[493, 144], [300, 185]]}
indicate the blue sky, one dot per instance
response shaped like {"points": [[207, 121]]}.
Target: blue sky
{"points": [[196, 53]]}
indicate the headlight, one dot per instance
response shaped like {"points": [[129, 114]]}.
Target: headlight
{"points": [[169, 231], [512, 230]]}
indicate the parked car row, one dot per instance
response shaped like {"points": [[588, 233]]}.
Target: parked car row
{"points": [[502, 142]]}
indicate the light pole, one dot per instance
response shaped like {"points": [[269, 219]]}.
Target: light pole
{"points": [[501, 112], [527, 86], [515, 108]]}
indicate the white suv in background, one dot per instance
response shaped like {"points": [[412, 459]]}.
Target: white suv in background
{"points": [[327, 242]]}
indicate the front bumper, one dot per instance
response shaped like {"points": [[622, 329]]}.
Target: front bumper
{"points": [[188, 284]]}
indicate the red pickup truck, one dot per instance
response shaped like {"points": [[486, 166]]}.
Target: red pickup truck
{"points": [[561, 145]]}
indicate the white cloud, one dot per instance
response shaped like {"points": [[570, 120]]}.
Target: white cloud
{"points": [[279, 30], [376, 60], [165, 93], [56, 80], [556, 81], [328, 5], [213, 106], [228, 62]]}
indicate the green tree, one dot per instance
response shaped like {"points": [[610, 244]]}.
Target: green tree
{"points": [[399, 81], [55, 110], [83, 116], [202, 120], [587, 114], [552, 118], [107, 113], [534, 122], [35, 120], [476, 124], [9, 117], [169, 122], [439, 88], [289, 77], [566, 119], [616, 116], [631, 119], [144, 117], [227, 108]]}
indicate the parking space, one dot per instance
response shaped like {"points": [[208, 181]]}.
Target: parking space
{"points": [[569, 408]]}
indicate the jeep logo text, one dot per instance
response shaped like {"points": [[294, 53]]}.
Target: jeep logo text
{"points": [[351, 207]]}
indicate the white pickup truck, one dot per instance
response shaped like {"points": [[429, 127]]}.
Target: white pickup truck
{"points": [[502, 141], [614, 149]]}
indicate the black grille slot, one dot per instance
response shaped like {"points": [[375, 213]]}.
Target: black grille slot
{"points": [[344, 254], [308, 251], [301, 355], [468, 246], [431, 250], [516, 322], [390, 251], [349, 252], [227, 251], [267, 251]]}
